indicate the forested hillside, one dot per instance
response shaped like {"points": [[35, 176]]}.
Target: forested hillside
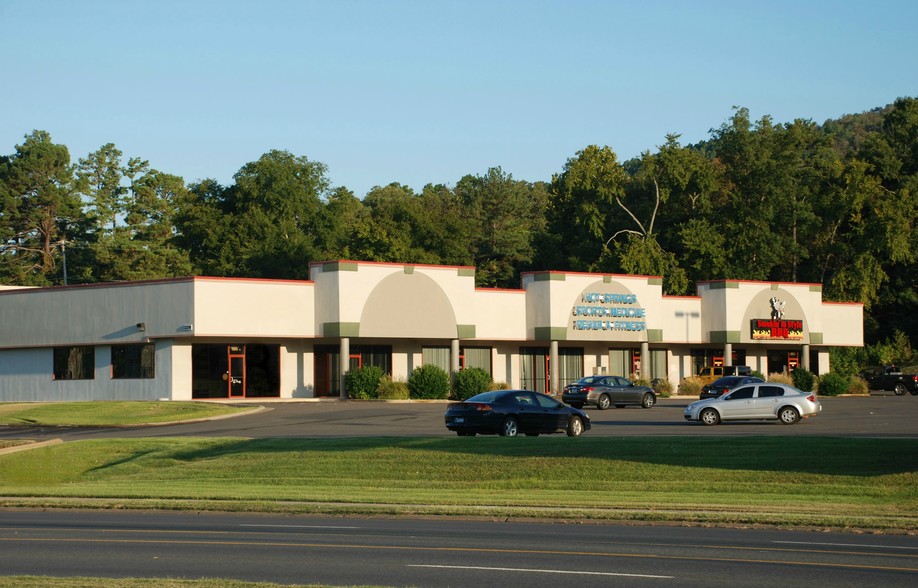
{"points": [[833, 204]]}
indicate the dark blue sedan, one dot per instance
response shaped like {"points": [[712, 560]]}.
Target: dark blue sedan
{"points": [[511, 412]]}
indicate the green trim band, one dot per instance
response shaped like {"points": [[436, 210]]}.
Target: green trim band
{"points": [[465, 331], [341, 329], [339, 266], [654, 335], [725, 336], [549, 277], [551, 333]]}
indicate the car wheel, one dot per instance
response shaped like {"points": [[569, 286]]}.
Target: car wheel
{"points": [[604, 402], [577, 404], [510, 428], [900, 389], [648, 400], [788, 415], [709, 416], [575, 427]]}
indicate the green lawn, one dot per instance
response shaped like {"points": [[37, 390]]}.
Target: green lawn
{"points": [[106, 414], [825, 482]]}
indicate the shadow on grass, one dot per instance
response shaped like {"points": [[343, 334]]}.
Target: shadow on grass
{"points": [[810, 455]]}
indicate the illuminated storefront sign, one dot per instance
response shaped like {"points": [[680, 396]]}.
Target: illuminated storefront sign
{"points": [[785, 330], [609, 312]]}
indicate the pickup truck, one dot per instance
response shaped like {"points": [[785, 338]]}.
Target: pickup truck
{"points": [[888, 377], [708, 374]]}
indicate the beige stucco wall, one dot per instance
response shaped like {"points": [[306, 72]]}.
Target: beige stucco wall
{"points": [[263, 308]]}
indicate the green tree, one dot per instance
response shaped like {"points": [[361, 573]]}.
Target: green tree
{"points": [[275, 206], [582, 200], [100, 177], [503, 216], [40, 199]]}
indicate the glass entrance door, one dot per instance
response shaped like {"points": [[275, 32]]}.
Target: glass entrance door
{"points": [[236, 372]]}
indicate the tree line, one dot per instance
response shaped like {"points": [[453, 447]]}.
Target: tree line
{"points": [[833, 204]]}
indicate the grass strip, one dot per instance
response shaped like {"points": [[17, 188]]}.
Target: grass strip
{"points": [[110, 414], [827, 482]]}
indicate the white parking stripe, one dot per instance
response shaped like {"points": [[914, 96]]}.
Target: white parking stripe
{"points": [[576, 572], [845, 545], [300, 526]]}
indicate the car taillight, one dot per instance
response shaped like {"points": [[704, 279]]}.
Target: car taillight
{"points": [[811, 398], [586, 389], [479, 406]]}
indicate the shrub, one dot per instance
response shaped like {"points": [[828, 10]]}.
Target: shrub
{"points": [[499, 386], [690, 386], [804, 379], [362, 383], [471, 381], [858, 386], [663, 387], [781, 378], [428, 382], [833, 384], [639, 380], [391, 390], [757, 374]]}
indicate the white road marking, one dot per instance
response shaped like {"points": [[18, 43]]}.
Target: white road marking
{"points": [[575, 572], [300, 526], [845, 545]]}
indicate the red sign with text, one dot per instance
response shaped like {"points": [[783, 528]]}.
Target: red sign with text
{"points": [[780, 329]]}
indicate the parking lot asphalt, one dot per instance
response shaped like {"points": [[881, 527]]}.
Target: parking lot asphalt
{"points": [[879, 415]]}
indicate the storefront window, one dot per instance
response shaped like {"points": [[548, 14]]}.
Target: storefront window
{"points": [[74, 363], [133, 361], [438, 356]]}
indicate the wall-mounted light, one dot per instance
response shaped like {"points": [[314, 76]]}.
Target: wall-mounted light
{"points": [[141, 327]]}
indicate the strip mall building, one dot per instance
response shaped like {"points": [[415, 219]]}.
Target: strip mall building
{"points": [[197, 338]]}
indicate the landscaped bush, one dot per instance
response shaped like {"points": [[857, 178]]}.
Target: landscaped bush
{"points": [[804, 379], [639, 380], [663, 387], [833, 384], [391, 390], [428, 382], [858, 386], [363, 383], [690, 386], [499, 386], [757, 374], [781, 378], [471, 381]]}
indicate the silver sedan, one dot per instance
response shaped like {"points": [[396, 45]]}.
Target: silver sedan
{"points": [[761, 401]]}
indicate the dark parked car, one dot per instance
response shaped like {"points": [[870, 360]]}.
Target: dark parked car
{"points": [[510, 412], [605, 391], [721, 386]]}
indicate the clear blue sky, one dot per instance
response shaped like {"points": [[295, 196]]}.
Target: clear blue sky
{"points": [[428, 91]]}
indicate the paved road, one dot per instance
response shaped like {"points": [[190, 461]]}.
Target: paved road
{"points": [[882, 415], [443, 552]]}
